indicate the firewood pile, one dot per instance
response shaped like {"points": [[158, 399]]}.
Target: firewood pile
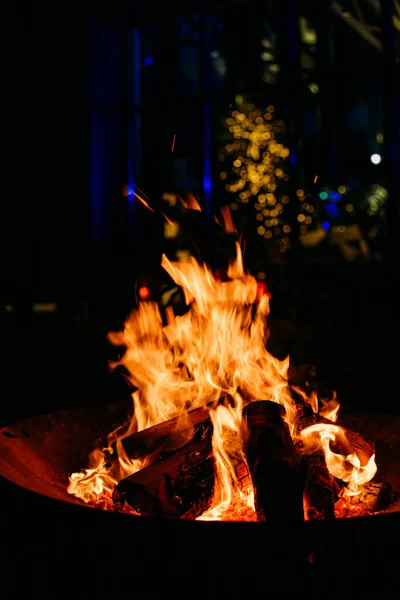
{"points": [[290, 483]]}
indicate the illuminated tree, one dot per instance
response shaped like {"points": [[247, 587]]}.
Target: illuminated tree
{"points": [[255, 168]]}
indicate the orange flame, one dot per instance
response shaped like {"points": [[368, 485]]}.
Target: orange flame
{"points": [[347, 468], [95, 484], [232, 501], [217, 349]]}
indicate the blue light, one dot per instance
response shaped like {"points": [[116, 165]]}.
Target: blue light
{"points": [[325, 225], [335, 196], [148, 61], [292, 158], [332, 209], [207, 183]]}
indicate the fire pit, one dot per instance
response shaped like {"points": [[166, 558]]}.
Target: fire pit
{"points": [[219, 430], [53, 536]]}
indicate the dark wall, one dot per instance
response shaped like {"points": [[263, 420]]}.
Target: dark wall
{"points": [[44, 205]]}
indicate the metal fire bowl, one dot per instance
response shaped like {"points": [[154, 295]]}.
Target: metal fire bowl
{"points": [[43, 527]]}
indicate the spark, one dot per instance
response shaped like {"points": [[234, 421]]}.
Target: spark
{"points": [[182, 201], [143, 201], [173, 142], [229, 225], [142, 192], [167, 218], [316, 179], [190, 203], [128, 191]]}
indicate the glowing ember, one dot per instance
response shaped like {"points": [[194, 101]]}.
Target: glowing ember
{"points": [[216, 351]]}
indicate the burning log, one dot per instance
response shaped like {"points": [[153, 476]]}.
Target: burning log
{"points": [[319, 486], [167, 435], [178, 485], [273, 462], [374, 496]]}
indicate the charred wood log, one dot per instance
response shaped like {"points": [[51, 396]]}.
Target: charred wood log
{"points": [[179, 485], [305, 417], [374, 496], [319, 486], [273, 462], [320, 489], [166, 436]]}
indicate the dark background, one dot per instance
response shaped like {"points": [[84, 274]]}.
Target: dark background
{"points": [[93, 96]]}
